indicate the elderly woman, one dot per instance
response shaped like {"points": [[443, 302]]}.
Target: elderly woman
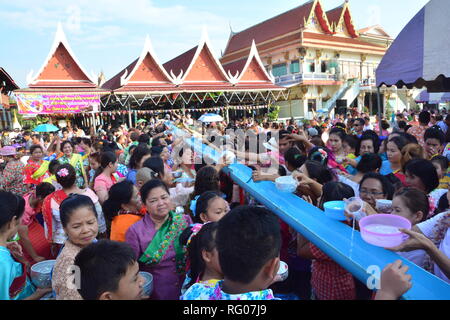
{"points": [[75, 160], [11, 178], [55, 232], [155, 241], [79, 220]]}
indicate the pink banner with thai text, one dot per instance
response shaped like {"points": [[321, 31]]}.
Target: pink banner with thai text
{"points": [[29, 103]]}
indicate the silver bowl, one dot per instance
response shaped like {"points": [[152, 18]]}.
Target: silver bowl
{"points": [[41, 273], [177, 174], [283, 271], [148, 284]]}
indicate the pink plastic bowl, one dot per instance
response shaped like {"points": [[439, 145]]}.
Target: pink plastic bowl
{"points": [[382, 230]]}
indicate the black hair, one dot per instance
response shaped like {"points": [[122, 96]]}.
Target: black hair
{"points": [[282, 171], [44, 189], [385, 125], [247, 238], [402, 124], [102, 265], [87, 141], [134, 136], [66, 181], [156, 141], [53, 166], [335, 191], [294, 157], [203, 203], [156, 151], [318, 172], [11, 206], [424, 117], [370, 135], [203, 240], [106, 158], [138, 153], [425, 171], [317, 154], [369, 162], [442, 161], [361, 121], [156, 164], [415, 200], [386, 185], [207, 179], [120, 193], [282, 134], [352, 141], [400, 142], [443, 204], [67, 142], [34, 147], [72, 203], [149, 186], [144, 138], [434, 133], [409, 137], [338, 132]]}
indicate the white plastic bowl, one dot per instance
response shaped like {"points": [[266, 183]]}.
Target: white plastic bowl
{"points": [[283, 271], [286, 184], [41, 273]]}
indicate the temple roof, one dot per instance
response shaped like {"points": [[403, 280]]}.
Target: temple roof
{"points": [[334, 16], [375, 30], [10, 84], [196, 70], [197, 66], [144, 72], [287, 28], [249, 70], [280, 25], [61, 68]]}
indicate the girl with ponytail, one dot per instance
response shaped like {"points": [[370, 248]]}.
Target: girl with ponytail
{"points": [[122, 209], [106, 176]]}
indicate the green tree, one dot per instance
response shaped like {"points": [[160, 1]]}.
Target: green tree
{"points": [[273, 114]]}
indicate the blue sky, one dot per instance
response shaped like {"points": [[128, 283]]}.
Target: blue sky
{"points": [[107, 35]]}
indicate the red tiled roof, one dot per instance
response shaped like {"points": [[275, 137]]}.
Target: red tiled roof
{"points": [[234, 67], [181, 62], [282, 24], [10, 84], [334, 15], [114, 82], [63, 84], [62, 90], [337, 40], [61, 66]]}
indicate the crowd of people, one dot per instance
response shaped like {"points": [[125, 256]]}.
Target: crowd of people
{"points": [[122, 200]]}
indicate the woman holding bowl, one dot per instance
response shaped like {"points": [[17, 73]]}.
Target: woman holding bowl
{"points": [[155, 241]]}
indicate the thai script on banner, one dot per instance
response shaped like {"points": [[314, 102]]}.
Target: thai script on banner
{"points": [[55, 103]]}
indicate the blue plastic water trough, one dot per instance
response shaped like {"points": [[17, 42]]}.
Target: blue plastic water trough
{"points": [[331, 236]]}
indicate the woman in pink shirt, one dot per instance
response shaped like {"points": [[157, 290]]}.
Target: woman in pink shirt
{"points": [[106, 175]]}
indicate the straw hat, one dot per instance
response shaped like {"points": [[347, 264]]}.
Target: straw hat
{"points": [[8, 151]]}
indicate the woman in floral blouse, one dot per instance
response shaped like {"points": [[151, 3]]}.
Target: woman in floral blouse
{"points": [[11, 179]]}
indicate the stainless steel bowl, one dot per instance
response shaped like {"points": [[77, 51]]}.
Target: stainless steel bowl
{"points": [[41, 273], [177, 174], [148, 285]]}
